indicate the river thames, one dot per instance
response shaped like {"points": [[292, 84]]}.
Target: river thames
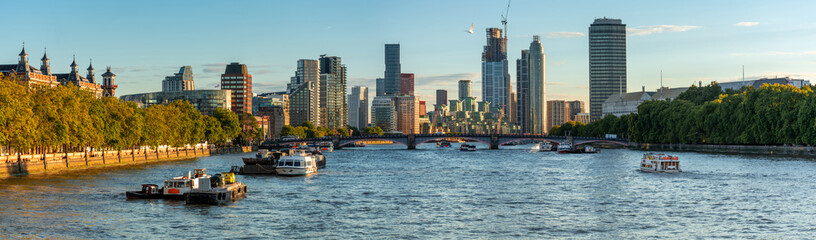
{"points": [[387, 192]]}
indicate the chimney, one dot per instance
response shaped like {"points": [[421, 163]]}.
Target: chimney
{"points": [[700, 84], [644, 89]]}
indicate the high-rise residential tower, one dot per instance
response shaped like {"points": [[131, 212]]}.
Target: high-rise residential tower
{"points": [[304, 93], [575, 108], [333, 108], [537, 62], [237, 78], [181, 81], [495, 76], [523, 91], [607, 62], [407, 108], [358, 107], [441, 97], [392, 70], [384, 112], [465, 89], [557, 113]]}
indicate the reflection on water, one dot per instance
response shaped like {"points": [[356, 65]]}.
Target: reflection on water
{"points": [[388, 192]]}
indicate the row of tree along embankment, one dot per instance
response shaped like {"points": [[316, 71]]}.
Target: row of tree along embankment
{"points": [[21, 165], [733, 149]]}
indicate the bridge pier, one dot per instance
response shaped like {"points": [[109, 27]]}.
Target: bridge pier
{"points": [[494, 141], [411, 142], [336, 142]]}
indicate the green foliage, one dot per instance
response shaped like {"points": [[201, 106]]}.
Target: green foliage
{"points": [[373, 130], [48, 119], [770, 115], [700, 95]]}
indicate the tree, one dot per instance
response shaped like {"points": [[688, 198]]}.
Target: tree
{"points": [[229, 123], [373, 130]]}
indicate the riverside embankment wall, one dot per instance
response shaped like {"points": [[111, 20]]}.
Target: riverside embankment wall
{"points": [[743, 149], [21, 165]]}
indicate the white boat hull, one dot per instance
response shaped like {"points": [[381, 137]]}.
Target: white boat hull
{"points": [[287, 171], [649, 170]]}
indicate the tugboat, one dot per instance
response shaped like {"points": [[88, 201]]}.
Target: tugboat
{"points": [[149, 191], [300, 163], [176, 187], [263, 163], [216, 190], [660, 163]]}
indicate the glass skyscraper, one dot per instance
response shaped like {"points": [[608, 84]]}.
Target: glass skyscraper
{"points": [[392, 69], [607, 62], [495, 76]]}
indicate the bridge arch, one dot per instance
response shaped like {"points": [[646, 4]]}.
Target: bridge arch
{"points": [[443, 137], [529, 138], [604, 141], [346, 142]]}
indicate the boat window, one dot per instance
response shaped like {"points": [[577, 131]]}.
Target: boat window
{"points": [[168, 184], [188, 184], [179, 184], [297, 164], [308, 164], [281, 163], [288, 163]]}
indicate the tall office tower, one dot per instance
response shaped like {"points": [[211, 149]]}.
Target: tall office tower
{"points": [[392, 69], [557, 113], [181, 81], [358, 107], [304, 93], [495, 76], [407, 108], [523, 91], [237, 78], [575, 108], [537, 63], [465, 89], [333, 105], [384, 112], [607, 62], [441, 97], [406, 84], [380, 85]]}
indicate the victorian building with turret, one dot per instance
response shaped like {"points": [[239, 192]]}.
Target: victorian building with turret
{"points": [[30, 76]]}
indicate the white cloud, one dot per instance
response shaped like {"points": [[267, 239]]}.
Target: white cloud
{"points": [[746, 24], [564, 34], [637, 31]]}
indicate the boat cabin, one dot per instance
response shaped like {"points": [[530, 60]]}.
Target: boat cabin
{"points": [[150, 189]]}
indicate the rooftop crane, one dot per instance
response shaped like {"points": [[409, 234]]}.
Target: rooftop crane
{"points": [[504, 18]]}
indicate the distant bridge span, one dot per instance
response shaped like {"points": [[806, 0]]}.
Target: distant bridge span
{"points": [[494, 140]]}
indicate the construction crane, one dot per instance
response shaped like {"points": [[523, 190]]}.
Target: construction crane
{"points": [[504, 18], [501, 115]]}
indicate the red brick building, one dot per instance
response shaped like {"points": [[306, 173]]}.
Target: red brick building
{"points": [[237, 78]]}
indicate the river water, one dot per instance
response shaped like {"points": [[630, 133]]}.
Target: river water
{"points": [[387, 192]]}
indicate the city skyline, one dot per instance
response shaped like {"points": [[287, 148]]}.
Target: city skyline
{"points": [[688, 43]]}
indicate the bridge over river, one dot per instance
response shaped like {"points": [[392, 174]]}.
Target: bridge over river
{"points": [[493, 140]]}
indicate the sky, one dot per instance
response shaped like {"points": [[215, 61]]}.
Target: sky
{"points": [[144, 41]]}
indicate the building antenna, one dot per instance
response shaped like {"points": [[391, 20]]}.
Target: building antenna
{"points": [[661, 83]]}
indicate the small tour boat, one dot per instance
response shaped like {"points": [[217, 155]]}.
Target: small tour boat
{"points": [[660, 163], [467, 147], [325, 146], [149, 191], [219, 189], [443, 144], [299, 163]]}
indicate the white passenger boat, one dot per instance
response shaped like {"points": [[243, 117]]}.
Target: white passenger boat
{"points": [[544, 147], [299, 163], [660, 163], [467, 147]]}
